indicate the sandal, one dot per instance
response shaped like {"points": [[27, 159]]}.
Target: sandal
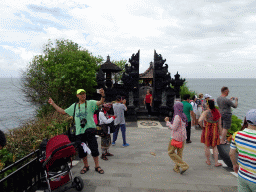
{"points": [[109, 154], [99, 170], [84, 170], [218, 165], [208, 163], [104, 157]]}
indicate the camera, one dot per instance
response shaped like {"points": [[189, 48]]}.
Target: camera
{"points": [[83, 122]]}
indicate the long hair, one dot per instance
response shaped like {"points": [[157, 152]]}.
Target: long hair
{"points": [[215, 112]]}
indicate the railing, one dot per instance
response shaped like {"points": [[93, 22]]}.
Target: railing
{"points": [[24, 177]]}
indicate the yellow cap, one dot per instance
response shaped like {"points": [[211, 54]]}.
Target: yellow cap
{"points": [[80, 91]]}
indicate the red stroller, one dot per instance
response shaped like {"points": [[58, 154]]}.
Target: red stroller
{"points": [[59, 151]]}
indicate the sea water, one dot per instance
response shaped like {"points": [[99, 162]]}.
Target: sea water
{"points": [[15, 110]]}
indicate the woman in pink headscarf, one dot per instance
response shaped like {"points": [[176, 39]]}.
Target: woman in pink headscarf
{"points": [[178, 134]]}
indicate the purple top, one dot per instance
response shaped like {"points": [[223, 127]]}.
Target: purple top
{"points": [[178, 110]]}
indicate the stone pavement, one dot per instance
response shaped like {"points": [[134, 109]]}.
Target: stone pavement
{"points": [[135, 168]]}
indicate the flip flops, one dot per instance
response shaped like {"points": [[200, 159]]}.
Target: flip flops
{"points": [[218, 165], [208, 163]]}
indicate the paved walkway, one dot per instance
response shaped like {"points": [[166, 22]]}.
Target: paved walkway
{"points": [[135, 168]]}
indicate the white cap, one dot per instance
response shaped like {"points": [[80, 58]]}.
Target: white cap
{"points": [[207, 96]]}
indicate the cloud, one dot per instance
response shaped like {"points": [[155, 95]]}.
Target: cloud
{"points": [[199, 39]]}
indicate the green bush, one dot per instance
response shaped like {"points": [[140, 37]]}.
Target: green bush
{"points": [[236, 125], [185, 90], [26, 139]]}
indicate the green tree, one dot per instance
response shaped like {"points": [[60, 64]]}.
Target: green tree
{"points": [[185, 90], [120, 64], [63, 68]]}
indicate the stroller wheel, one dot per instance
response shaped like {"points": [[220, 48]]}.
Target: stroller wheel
{"points": [[46, 190], [79, 184]]}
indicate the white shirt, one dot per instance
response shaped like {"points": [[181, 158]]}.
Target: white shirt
{"points": [[103, 119]]}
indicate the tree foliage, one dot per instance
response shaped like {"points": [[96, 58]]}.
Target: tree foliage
{"points": [[63, 68], [120, 64], [185, 90]]}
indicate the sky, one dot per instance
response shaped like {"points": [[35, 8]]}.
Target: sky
{"points": [[199, 39]]}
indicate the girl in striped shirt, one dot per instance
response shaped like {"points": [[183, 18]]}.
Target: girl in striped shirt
{"points": [[245, 143]]}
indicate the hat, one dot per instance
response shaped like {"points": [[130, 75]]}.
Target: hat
{"points": [[80, 91], [207, 96], [251, 117]]}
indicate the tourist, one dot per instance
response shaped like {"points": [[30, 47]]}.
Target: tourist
{"points": [[119, 108], [199, 103], [178, 133], [188, 110], [225, 111], [148, 101], [104, 120], [210, 134], [2, 140], [244, 143], [206, 98], [85, 126], [194, 120]]}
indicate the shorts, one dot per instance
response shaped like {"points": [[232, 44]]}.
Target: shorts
{"points": [[226, 120], [89, 138]]}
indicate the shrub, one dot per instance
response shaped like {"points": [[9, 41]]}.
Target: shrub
{"points": [[24, 140], [185, 90]]}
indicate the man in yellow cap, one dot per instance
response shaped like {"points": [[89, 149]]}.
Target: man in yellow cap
{"points": [[85, 126]]}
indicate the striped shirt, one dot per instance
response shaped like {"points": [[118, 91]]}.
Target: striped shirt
{"points": [[245, 143]]}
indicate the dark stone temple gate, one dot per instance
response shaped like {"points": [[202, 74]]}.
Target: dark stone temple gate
{"points": [[162, 92]]}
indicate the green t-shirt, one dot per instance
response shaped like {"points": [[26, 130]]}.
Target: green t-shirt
{"points": [[81, 113], [187, 107]]}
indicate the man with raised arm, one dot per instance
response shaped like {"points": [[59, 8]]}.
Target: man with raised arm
{"points": [[85, 126], [225, 111]]}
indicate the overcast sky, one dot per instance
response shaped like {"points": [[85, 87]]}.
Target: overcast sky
{"points": [[199, 39]]}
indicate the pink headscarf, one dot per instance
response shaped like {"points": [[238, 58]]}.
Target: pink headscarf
{"points": [[178, 110]]}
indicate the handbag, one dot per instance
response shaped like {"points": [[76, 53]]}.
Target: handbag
{"points": [[71, 132], [177, 144]]}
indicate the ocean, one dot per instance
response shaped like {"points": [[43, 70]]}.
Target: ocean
{"points": [[243, 89], [14, 110]]}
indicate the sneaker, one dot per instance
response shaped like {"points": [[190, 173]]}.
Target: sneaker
{"points": [[126, 145], [113, 143]]}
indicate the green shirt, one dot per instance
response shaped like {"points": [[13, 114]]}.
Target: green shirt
{"points": [[187, 107], [81, 113]]}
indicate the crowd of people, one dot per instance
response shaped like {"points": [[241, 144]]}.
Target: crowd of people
{"points": [[84, 112], [215, 124], [198, 111]]}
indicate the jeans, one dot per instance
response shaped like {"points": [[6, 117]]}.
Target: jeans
{"points": [[115, 134]]}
